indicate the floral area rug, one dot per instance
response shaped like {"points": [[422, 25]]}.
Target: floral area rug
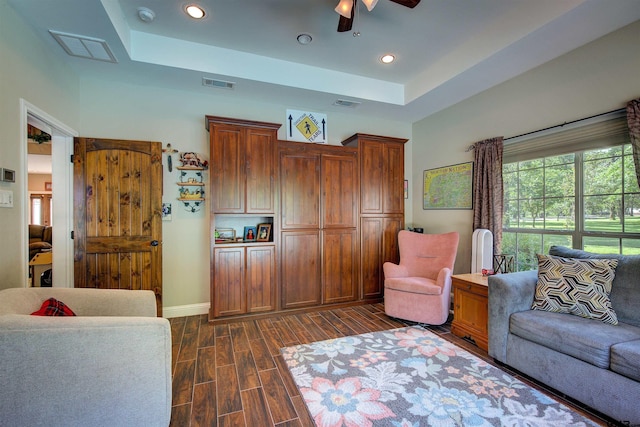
{"points": [[410, 377]]}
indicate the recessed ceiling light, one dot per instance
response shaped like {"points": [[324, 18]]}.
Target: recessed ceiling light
{"points": [[387, 59], [194, 11], [304, 38]]}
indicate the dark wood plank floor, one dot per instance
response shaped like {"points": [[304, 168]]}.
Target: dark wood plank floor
{"points": [[232, 374]]}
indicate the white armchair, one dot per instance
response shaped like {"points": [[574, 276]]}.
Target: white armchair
{"points": [[108, 366]]}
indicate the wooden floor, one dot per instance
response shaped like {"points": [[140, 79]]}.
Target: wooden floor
{"points": [[232, 374]]}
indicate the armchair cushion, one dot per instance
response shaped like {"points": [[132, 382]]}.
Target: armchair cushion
{"points": [[416, 285]]}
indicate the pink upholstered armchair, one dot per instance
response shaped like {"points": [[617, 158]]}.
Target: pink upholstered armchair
{"points": [[419, 289]]}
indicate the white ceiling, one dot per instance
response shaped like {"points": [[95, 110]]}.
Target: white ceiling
{"points": [[447, 50]]}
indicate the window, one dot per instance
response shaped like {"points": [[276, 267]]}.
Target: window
{"points": [[41, 209], [586, 199]]}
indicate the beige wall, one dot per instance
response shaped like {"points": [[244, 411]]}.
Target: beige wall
{"points": [[596, 78], [37, 182], [177, 117], [29, 72]]}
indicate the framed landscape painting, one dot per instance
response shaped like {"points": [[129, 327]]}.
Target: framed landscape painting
{"points": [[449, 187]]}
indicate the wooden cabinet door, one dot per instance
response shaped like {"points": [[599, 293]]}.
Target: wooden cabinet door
{"points": [[300, 268], [299, 190], [371, 257], [260, 278], [371, 176], [229, 296], [390, 249], [339, 191], [379, 244], [393, 190], [227, 191], [340, 265], [260, 169]]}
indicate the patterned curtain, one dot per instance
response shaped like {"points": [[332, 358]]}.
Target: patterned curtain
{"points": [[633, 120], [487, 189]]}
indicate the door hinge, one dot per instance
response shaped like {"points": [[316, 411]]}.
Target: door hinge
{"points": [[71, 234], [71, 158]]}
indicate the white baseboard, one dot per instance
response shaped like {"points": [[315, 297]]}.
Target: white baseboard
{"points": [[185, 310]]}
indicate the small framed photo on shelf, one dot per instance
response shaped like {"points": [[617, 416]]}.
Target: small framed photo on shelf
{"points": [[264, 232], [225, 235], [250, 234]]}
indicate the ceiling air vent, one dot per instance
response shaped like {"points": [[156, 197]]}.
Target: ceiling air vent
{"points": [[84, 47], [346, 103], [220, 84]]}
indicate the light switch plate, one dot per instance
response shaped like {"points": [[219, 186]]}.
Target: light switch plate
{"points": [[6, 199]]}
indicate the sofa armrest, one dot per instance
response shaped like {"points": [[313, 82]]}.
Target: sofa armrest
{"points": [[508, 294], [90, 371], [394, 270]]}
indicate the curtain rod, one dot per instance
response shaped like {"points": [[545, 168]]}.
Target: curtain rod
{"points": [[619, 110]]}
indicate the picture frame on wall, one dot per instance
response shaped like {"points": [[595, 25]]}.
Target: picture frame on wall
{"points": [[250, 233], [449, 187], [225, 235], [47, 186], [264, 232]]}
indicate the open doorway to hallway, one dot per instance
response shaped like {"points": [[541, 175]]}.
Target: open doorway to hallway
{"points": [[52, 190], [40, 203]]}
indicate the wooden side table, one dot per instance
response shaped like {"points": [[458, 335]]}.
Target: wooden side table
{"points": [[470, 308]]}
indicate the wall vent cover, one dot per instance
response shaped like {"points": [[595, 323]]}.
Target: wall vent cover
{"points": [[220, 84], [84, 47], [346, 103]]}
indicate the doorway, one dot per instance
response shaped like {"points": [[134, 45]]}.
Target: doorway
{"points": [[58, 188]]}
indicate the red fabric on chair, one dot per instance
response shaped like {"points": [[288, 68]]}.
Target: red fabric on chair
{"points": [[53, 307]]}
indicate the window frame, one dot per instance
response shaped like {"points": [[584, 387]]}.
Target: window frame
{"points": [[578, 235]]}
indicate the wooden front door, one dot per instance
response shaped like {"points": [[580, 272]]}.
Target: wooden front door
{"points": [[117, 190]]}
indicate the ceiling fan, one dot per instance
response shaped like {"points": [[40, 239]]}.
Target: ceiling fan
{"points": [[346, 9]]}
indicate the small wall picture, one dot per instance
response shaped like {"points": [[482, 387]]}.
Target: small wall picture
{"points": [[166, 211], [47, 186], [264, 232], [250, 233]]}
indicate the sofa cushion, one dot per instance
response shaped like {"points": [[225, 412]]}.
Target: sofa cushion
{"points": [[585, 339], [625, 359], [625, 290], [53, 307], [576, 286]]}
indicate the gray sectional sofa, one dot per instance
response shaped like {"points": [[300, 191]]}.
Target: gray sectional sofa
{"points": [[591, 361]]}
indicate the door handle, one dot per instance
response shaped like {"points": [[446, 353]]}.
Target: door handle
{"points": [[154, 243]]}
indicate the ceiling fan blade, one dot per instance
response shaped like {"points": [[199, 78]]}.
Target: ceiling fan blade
{"points": [[407, 3], [345, 24]]}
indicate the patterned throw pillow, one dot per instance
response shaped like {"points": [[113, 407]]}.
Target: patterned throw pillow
{"points": [[576, 286], [53, 307]]}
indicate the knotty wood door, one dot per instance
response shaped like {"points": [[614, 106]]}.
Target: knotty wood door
{"points": [[117, 186]]}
